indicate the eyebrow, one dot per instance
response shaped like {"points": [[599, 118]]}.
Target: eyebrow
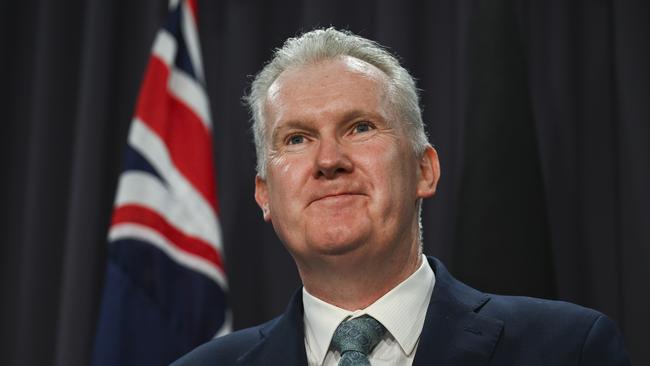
{"points": [[356, 113], [305, 125], [290, 125]]}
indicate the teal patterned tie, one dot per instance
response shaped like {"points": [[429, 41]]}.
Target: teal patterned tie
{"points": [[356, 338]]}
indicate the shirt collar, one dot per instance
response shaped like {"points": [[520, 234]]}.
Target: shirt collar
{"points": [[401, 310]]}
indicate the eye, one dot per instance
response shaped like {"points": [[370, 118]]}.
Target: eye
{"points": [[295, 139], [362, 127]]}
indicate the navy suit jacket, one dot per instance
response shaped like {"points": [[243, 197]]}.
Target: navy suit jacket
{"points": [[462, 327]]}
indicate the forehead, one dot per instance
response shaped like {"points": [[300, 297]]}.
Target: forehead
{"points": [[340, 66], [326, 87]]}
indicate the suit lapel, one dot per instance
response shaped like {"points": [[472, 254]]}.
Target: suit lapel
{"points": [[454, 332], [282, 340]]}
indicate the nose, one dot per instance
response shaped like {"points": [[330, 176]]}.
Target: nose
{"points": [[331, 160]]}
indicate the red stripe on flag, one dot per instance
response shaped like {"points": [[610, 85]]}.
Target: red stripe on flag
{"points": [[187, 139], [141, 215], [193, 7]]}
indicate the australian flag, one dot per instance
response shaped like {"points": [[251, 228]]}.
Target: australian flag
{"points": [[165, 288]]}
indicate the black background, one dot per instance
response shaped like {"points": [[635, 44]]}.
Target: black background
{"points": [[539, 111]]}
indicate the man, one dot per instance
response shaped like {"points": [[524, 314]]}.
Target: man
{"points": [[343, 165]]}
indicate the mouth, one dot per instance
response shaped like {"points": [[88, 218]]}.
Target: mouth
{"points": [[337, 198]]}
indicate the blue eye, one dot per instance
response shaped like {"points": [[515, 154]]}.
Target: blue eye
{"points": [[362, 127], [296, 139]]}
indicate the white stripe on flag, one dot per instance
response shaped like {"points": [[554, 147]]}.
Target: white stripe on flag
{"points": [[153, 237], [150, 146], [164, 47], [172, 5], [190, 34], [227, 324], [141, 188], [190, 93]]}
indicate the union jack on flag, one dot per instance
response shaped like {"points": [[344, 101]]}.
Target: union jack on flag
{"points": [[165, 287]]}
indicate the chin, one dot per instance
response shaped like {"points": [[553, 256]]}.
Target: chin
{"points": [[338, 249], [336, 245]]}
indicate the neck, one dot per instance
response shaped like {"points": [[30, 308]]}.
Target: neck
{"points": [[354, 282]]}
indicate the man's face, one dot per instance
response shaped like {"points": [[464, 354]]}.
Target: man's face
{"points": [[341, 177]]}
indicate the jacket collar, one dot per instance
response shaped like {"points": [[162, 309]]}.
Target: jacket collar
{"points": [[282, 339], [454, 332]]}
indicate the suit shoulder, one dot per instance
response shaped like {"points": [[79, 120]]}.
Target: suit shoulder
{"points": [[569, 332], [224, 350], [535, 309]]}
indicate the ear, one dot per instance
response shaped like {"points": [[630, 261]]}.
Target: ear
{"points": [[262, 197], [429, 173]]}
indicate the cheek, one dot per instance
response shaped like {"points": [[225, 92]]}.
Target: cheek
{"points": [[290, 166], [285, 182], [395, 175], [387, 165]]}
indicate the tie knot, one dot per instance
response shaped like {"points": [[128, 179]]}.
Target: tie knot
{"points": [[359, 334]]}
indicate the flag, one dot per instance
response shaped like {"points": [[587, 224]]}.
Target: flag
{"points": [[165, 288]]}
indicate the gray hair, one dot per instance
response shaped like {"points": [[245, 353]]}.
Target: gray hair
{"points": [[324, 44]]}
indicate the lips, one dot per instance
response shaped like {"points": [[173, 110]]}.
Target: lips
{"points": [[339, 197]]}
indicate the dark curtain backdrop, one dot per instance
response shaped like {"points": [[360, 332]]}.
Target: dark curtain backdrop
{"points": [[539, 111]]}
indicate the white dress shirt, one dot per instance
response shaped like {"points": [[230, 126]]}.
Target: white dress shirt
{"points": [[402, 311]]}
